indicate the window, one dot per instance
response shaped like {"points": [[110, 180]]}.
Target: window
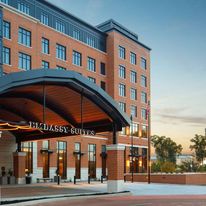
{"points": [[134, 129], [132, 58], [133, 94], [144, 131], [122, 106], [76, 34], [144, 97], [122, 90], [143, 81], [92, 160], [92, 79], [23, 7], [60, 68], [45, 46], [61, 52], [60, 26], [102, 68], [122, 72], [6, 29], [45, 65], [133, 110], [24, 61], [6, 56], [27, 147], [144, 114], [62, 159], [24, 37], [143, 63], [44, 18], [77, 152], [103, 85], [90, 41], [91, 64], [77, 58], [133, 76], [45, 144], [5, 1], [121, 52]]}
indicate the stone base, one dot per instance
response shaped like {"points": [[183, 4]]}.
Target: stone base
{"points": [[115, 186], [21, 181]]}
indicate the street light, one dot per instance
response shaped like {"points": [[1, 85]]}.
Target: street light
{"points": [[149, 145], [132, 144]]}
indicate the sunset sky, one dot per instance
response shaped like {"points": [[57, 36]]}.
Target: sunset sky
{"points": [[176, 32]]}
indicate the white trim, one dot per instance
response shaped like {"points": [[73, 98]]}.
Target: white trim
{"points": [[115, 147], [115, 186], [129, 145], [95, 137]]}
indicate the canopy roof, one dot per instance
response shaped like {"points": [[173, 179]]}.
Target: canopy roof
{"points": [[56, 97]]}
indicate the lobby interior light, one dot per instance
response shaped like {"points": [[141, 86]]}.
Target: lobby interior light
{"points": [[0, 134]]}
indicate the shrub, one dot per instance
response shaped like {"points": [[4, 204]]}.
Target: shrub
{"points": [[168, 167]]}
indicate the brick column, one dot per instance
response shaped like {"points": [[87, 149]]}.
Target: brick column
{"points": [[115, 165], [19, 166]]}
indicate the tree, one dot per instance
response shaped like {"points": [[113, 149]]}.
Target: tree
{"points": [[165, 148], [189, 166], [199, 145]]}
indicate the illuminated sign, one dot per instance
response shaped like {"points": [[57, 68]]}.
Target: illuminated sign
{"points": [[61, 129]]}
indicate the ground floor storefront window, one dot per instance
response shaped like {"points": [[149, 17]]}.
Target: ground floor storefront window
{"points": [[27, 147], [62, 159], [92, 160]]}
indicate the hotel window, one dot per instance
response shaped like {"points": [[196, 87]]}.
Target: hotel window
{"points": [[45, 45], [135, 164], [143, 63], [102, 68], [5, 1], [122, 52], [60, 26], [62, 159], [143, 81], [6, 56], [23, 7], [92, 79], [45, 65], [134, 129], [77, 58], [133, 111], [76, 34], [44, 18], [77, 152], [144, 131], [90, 41], [24, 37], [45, 144], [144, 97], [122, 72], [132, 58], [6, 29], [60, 68], [133, 76], [144, 114], [92, 160], [122, 90], [27, 147], [133, 94], [122, 106], [103, 85], [91, 64], [60, 52], [24, 61]]}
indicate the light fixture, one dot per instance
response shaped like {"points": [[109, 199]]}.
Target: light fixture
{"points": [[0, 133]]}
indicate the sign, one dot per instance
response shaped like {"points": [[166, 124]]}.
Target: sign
{"points": [[61, 129]]}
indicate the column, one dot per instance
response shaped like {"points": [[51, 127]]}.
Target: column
{"points": [[19, 166], [115, 165]]}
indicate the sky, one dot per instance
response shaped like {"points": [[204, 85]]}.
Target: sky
{"points": [[176, 32]]}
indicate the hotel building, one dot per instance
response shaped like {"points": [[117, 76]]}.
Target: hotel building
{"points": [[36, 34]]}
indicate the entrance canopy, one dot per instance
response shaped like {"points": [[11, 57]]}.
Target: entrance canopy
{"points": [[56, 97]]}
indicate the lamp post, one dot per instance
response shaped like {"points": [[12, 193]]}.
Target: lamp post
{"points": [[149, 145], [132, 144]]}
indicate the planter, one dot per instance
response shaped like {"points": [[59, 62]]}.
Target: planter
{"points": [[11, 180], [3, 180], [28, 179], [56, 178]]}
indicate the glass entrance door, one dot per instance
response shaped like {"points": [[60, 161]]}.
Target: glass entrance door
{"points": [[78, 160], [92, 160], [62, 159]]}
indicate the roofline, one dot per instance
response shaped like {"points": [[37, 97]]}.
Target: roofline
{"points": [[71, 16]]}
